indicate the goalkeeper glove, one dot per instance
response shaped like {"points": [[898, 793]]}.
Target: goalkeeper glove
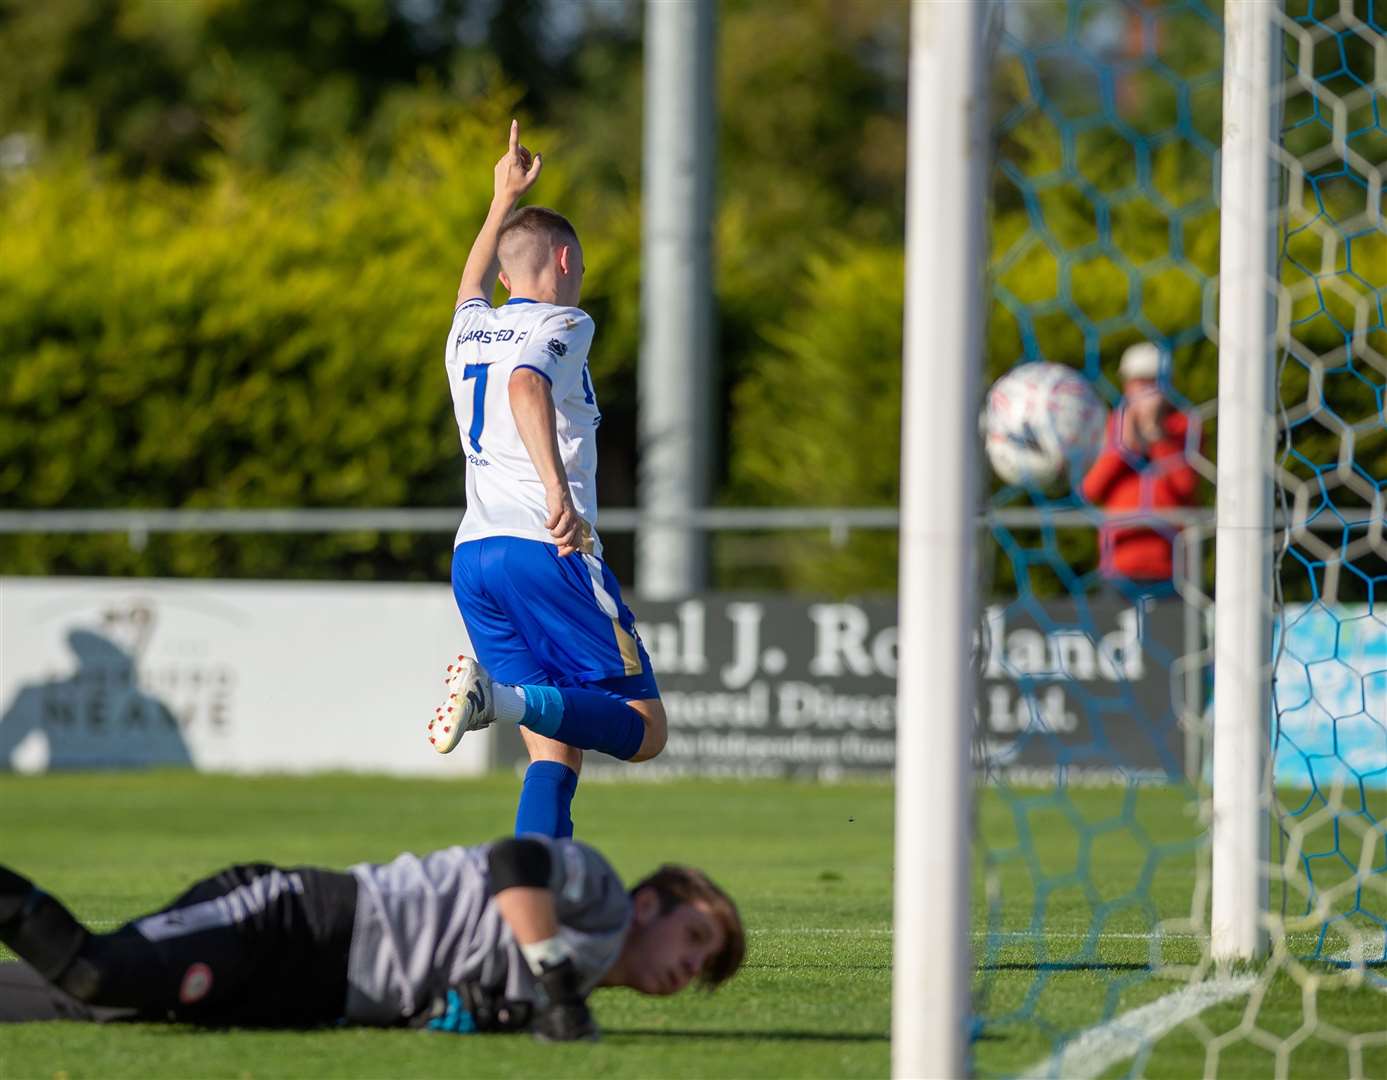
{"points": [[454, 1016], [562, 1015]]}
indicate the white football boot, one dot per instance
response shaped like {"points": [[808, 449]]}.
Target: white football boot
{"points": [[468, 706]]}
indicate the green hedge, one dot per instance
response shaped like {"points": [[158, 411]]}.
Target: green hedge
{"points": [[276, 340], [261, 341]]}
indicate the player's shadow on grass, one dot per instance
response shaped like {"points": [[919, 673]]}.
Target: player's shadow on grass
{"points": [[785, 1035], [97, 717], [1062, 965]]}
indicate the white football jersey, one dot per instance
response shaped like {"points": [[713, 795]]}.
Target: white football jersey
{"points": [[505, 496]]}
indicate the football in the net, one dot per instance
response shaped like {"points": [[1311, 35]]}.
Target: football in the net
{"points": [[1043, 424]]}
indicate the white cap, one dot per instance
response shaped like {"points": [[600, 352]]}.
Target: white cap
{"points": [[1140, 361]]}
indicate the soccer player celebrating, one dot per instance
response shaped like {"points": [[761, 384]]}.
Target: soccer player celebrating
{"points": [[510, 936], [556, 649]]}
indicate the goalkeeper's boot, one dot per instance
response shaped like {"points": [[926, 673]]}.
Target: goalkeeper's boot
{"points": [[15, 890], [37, 928], [469, 705]]}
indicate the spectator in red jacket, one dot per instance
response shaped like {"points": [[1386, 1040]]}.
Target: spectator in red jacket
{"points": [[1142, 467]]}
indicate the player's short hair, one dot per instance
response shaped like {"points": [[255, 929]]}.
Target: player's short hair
{"points": [[675, 885], [538, 222]]}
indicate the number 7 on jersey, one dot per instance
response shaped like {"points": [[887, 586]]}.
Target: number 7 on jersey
{"points": [[474, 433]]}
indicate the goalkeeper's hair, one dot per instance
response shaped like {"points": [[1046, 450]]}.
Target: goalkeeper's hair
{"points": [[539, 221], [675, 885]]}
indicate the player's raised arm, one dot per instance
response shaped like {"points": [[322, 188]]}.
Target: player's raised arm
{"points": [[516, 173]]}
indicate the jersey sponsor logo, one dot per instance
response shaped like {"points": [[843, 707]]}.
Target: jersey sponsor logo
{"points": [[555, 348], [486, 337], [196, 984]]}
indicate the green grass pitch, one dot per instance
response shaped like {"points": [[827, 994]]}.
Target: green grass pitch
{"points": [[809, 865]]}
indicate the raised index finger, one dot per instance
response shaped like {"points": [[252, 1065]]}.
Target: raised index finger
{"points": [[514, 135]]}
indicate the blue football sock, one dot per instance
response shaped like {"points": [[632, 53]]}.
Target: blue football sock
{"points": [[544, 800], [586, 719], [568, 787]]}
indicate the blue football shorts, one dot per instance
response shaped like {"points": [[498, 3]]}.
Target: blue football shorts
{"points": [[539, 620]]}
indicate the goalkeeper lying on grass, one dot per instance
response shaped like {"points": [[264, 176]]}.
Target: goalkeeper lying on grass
{"points": [[510, 936]]}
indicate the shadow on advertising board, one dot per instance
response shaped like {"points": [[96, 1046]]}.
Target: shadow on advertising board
{"points": [[98, 715]]}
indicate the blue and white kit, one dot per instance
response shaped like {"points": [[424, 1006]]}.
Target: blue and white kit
{"points": [[534, 618]]}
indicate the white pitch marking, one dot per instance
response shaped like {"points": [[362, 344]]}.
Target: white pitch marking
{"points": [[1079, 935], [886, 931], [822, 930], [981, 935], [1370, 976], [977, 935], [1099, 1048]]}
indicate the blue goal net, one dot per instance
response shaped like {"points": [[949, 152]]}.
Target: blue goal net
{"points": [[1095, 659]]}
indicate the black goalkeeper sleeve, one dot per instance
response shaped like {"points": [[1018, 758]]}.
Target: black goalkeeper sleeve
{"points": [[519, 862]]}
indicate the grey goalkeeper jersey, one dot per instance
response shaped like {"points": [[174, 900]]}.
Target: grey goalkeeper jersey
{"points": [[427, 923]]}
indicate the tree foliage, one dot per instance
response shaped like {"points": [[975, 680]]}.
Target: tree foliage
{"points": [[817, 421], [159, 86], [255, 341], [235, 227]]}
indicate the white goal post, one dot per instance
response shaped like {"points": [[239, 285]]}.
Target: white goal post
{"points": [[1242, 608], [946, 183]]}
